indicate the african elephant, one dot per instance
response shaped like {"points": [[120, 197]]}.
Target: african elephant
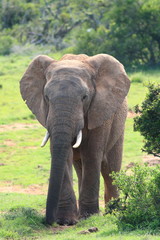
{"points": [[84, 96]]}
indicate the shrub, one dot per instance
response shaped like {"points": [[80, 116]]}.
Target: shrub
{"points": [[148, 123], [91, 42], [138, 206], [6, 43]]}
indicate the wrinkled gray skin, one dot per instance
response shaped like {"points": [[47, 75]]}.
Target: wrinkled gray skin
{"points": [[79, 93]]}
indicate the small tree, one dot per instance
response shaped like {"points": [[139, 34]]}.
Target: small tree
{"points": [[148, 123]]}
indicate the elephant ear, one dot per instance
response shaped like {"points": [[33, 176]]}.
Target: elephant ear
{"points": [[32, 86], [112, 86]]}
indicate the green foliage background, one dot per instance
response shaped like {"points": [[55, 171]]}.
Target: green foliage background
{"points": [[126, 29]]}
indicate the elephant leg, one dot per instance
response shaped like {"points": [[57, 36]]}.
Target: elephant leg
{"points": [[91, 155], [67, 207], [112, 162], [89, 190]]}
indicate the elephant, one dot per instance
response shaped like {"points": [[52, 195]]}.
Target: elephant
{"points": [[81, 101]]}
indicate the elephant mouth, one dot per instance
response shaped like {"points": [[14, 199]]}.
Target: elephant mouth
{"points": [[75, 144]]}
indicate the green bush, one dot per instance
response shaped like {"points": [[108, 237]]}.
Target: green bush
{"points": [[148, 123], [6, 43], [138, 206], [91, 42]]}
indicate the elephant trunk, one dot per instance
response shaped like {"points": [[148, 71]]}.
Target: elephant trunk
{"points": [[61, 136], [60, 154]]}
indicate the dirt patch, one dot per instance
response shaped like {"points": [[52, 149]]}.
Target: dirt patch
{"points": [[2, 164], [151, 160], [18, 126], [130, 165], [9, 142], [31, 147], [33, 189]]}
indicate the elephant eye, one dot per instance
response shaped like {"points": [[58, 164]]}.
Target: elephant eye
{"points": [[84, 97], [46, 98]]}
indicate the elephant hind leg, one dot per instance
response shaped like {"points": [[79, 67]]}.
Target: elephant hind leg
{"points": [[110, 190], [112, 163]]}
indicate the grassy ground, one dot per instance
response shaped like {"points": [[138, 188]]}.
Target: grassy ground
{"points": [[24, 166]]}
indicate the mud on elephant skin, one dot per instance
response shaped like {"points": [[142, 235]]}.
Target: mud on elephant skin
{"points": [[85, 96]]}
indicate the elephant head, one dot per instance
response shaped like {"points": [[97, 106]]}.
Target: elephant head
{"points": [[67, 95]]}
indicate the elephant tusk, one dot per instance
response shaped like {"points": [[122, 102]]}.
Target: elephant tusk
{"points": [[45, 139], [79, 140]]}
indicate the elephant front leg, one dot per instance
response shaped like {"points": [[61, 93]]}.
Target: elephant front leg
{"points": [[89, 190], [67, 207]]}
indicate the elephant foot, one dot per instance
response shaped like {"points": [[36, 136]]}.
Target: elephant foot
{"points": [[86, 211], [66, 221], [66, 217]]}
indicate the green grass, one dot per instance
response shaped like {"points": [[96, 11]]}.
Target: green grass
{"points": [[133, 142], [21, 222], [20, 200], [24, 164], [138, 89]]}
